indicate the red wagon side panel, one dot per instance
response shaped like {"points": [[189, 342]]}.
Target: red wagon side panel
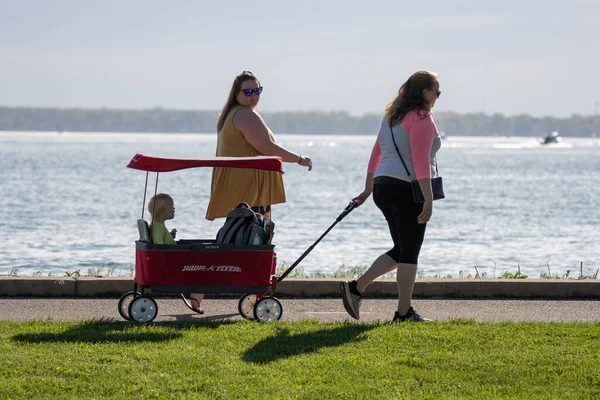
{"points": [[228, 268]]}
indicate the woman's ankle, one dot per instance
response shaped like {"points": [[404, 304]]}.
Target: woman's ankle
{"points": [[356, 289]]}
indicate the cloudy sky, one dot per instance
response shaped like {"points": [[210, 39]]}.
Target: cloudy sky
{"points": [[529, 56]]}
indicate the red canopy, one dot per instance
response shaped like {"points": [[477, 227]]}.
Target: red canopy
{"points": [[157, 164]]}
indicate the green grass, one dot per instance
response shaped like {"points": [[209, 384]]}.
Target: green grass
{"points": [[309, 360]]}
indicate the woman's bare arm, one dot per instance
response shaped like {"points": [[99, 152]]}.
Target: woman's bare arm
{"points": [[257, 134]]}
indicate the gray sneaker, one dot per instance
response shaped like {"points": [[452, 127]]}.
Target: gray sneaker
{"points": [[411, 316], [351, 300]]}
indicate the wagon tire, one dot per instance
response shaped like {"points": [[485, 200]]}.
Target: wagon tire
{"points": [[268, 309], [246, 306], [124, 303], [143, 309]]}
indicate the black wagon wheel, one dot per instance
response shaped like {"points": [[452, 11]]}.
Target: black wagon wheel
{"points": [[143, 309], [246, 305], [124, 302], [268, 309]]}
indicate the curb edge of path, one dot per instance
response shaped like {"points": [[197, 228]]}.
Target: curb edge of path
{"points": [[324, 287]]}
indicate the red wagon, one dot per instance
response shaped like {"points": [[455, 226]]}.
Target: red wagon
{"points": [[203, 265]]}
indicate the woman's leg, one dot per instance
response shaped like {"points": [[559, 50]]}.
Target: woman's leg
{"points": [[401, 215], [381, 266], [195, 300], [405, 279], [384, 197], [411, 235], [352, 291]]}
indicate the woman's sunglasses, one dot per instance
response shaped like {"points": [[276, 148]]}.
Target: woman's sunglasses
{"points": [[248, 92], [437, 92]]}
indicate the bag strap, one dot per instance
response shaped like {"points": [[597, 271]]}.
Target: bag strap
{"points": [[401, 159], [398, 151]]}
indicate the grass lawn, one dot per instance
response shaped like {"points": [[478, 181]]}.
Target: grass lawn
{"points": [[310, 360]]}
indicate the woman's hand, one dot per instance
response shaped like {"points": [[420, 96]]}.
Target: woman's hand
{"points": [[361, 198], [305, 162], [426, 213]]}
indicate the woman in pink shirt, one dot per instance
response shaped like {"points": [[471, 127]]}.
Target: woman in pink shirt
{"points": [[408, 130]]}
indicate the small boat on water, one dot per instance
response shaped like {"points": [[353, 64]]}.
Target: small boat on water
{"points": [[550, 138]]}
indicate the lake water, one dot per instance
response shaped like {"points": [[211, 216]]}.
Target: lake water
{"points": [[69, 203]]}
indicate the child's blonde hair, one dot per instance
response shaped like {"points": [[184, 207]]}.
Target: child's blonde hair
{"points": [[159, 201]]}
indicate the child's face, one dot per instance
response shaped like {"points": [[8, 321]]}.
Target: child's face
{"points": [[169, 210]]}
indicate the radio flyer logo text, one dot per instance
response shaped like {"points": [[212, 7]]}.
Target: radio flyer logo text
{"points": [[212, 268]]}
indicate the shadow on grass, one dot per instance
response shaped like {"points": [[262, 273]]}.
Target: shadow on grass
{"points": [[118, 332], [201, 318], [284, 345]]}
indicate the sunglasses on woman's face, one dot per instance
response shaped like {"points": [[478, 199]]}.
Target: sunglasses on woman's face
{"points": [[248, 92], [437, 92]]}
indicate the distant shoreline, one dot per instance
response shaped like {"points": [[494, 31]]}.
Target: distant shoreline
{"points": [[159, 120]]}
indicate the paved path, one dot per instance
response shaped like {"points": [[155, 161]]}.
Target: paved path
{"points": [[325, 310]]}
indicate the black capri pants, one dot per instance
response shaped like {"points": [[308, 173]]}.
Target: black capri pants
{"points": [[394, 198]]}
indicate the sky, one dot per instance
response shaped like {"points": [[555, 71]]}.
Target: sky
{"points": [[511, 57]]}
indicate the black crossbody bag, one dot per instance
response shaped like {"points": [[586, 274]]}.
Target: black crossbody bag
{"points": [[437, 185]]}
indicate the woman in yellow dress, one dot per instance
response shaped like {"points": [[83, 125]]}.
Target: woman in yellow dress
{"points": [[241, 132]]}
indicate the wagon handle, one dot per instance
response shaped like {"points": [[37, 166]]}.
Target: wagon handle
{"points": [[346, 211]]}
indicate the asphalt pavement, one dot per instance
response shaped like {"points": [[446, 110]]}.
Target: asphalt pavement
{"points": [[321, 309]]}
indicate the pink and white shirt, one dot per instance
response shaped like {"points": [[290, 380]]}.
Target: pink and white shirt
{"points": [[418, 141]]}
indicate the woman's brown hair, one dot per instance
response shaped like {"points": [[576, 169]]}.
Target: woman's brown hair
{"points": [[410, 96], [231, 100]]}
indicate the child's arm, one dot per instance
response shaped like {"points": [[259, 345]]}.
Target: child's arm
{"points": [[169, 237]]}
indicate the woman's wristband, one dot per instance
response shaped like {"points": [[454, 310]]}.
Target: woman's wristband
{"points": [[301, 158]]}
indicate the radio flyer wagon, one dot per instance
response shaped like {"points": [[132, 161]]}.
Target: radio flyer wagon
{"points": [[203, 265]]}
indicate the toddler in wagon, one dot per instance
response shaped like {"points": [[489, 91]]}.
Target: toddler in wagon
{"points": [[162, 208]]}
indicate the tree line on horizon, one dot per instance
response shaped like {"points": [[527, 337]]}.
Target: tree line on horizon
{"points": [[159, 120]]}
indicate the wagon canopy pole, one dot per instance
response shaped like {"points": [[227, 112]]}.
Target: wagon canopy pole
{"points": [[270, 211], [154, 205], [145, 189], [258, 189]]}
